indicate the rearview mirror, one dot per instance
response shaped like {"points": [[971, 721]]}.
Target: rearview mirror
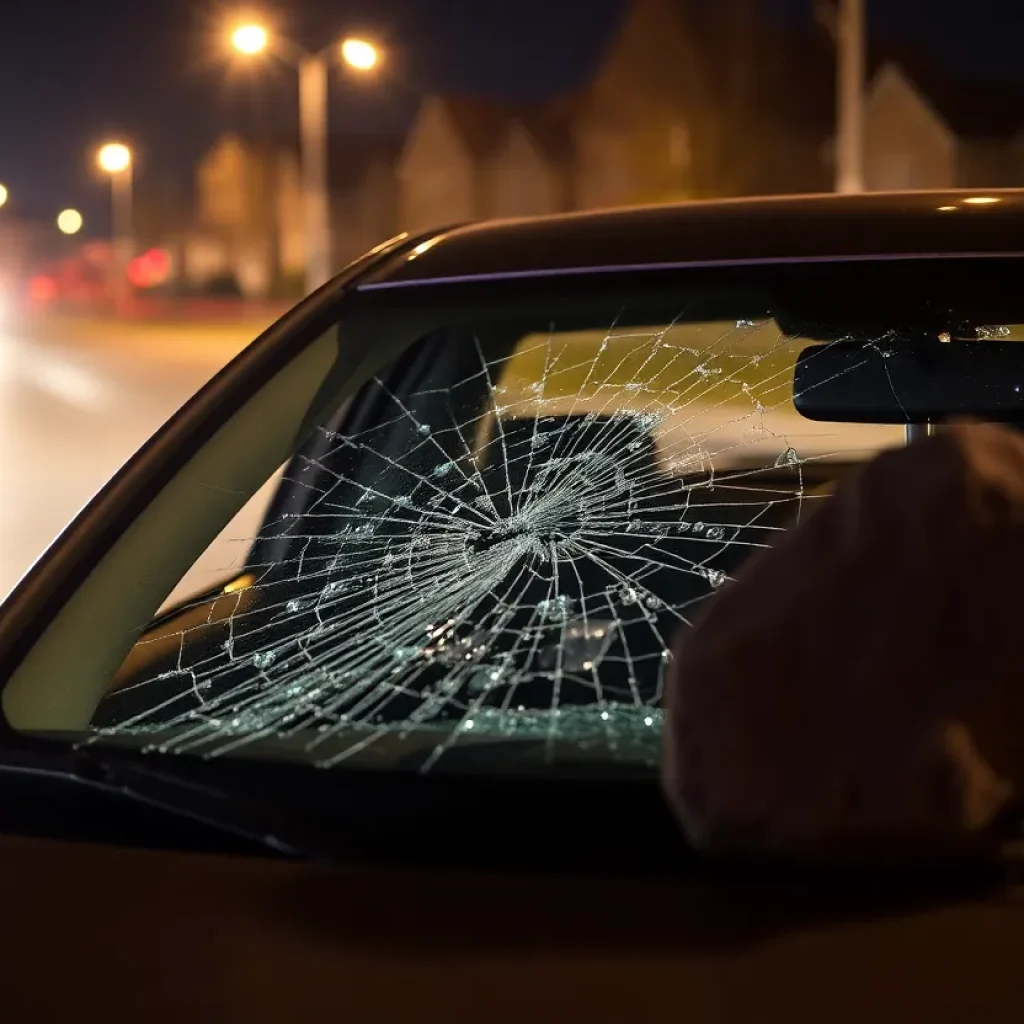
{"points": [[893, 381]]}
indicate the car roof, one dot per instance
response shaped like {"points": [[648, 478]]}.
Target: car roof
{"points": [[743, 231]]}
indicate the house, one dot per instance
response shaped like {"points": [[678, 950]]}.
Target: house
{"points": [[250, 220], [704, 100], [467, 159], [363, 181], [689, 100], [641, 123], [628, 137], [248, 216], [926, 128], [907, 144]]}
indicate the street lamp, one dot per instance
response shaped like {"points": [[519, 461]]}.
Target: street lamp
{"points": [[844, 21], [115, 159], [69, 222], [358, 54], [3, 195], [250, 39]]}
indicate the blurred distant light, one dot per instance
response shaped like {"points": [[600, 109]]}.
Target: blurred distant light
{"points": [[114, 157], [159, 260], [42, 288], [149, 270], [946, 209], [69, 221], [359, 54], [137, 273], [3, 195], [982, 200], [250, 39]]}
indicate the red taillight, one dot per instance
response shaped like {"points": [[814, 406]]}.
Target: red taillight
{"points": [[150, 269]]}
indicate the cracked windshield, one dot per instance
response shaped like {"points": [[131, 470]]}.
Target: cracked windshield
{"points": [[504, 553]]}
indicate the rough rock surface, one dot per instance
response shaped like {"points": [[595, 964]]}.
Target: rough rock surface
{"points": [[860, 687]]}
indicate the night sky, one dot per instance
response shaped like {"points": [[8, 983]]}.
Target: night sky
{"points": [[73, 72]]}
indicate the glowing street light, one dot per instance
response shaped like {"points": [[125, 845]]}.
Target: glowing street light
{"points": [[69, 222], [250, 39], [3, 195], [114, 158], [360, 55]]}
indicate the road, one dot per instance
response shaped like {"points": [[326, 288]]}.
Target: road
{"points": [[77, 400]]}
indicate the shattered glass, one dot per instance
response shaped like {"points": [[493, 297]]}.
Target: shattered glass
{"points": [[503, 552]]}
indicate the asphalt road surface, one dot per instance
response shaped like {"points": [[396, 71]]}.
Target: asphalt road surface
{"points": [[76, 401]]}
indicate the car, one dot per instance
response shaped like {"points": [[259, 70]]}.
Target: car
{"points": [[393, 753]]}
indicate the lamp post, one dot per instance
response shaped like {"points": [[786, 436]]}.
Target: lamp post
{"points": [[844, 21], [313, 159], [850, 101], [115, 159], [313, 70]]}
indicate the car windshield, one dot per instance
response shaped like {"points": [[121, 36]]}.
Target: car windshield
{"points": [[491, 545]]}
